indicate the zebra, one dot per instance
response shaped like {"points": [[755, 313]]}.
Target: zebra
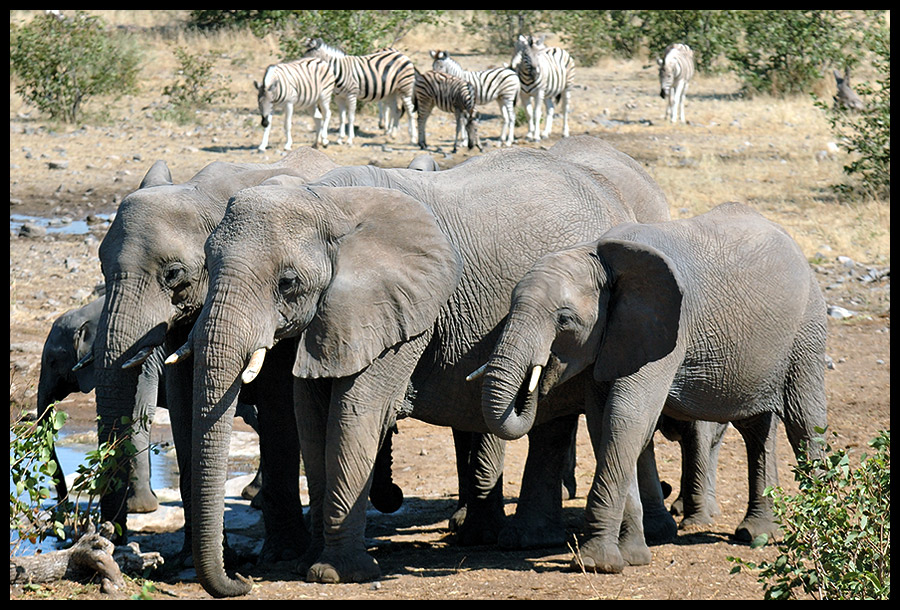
{"points": [[676, 69], [305, 83], [450, 94], [500, 84], [382, 76], [546, 75]]}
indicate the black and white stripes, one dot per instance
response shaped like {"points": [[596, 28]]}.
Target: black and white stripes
{"points": [[450, 94], [546, 75], [383, 76], [676, 69], [305, 83], [492, 84]]}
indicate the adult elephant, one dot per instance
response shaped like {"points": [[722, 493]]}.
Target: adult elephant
{"points": [[155, 273], [716, 318], [394, 292]]}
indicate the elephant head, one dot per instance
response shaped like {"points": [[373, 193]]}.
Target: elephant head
{"points": [[611, 305], [349, 273], [153, 263]]}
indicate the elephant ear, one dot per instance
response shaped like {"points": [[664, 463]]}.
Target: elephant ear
{"points": [[393, 270], [82, 343], [158, 174], [644, 309]]}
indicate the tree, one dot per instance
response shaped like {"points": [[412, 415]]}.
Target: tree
{"points": [[61, 62]]}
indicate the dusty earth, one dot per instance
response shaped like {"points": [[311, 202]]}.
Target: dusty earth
{"points": [[80, 173]]}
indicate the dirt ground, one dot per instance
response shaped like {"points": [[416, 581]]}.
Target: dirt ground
{"points": [[82, 172]]}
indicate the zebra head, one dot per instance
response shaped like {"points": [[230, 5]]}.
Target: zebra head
{"points": [[266, 94]]}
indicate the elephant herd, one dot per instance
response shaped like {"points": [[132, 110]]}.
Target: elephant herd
{"points": [[502, 297]]}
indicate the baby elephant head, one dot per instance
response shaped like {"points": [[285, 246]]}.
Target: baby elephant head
{"points": [[614, 305]]}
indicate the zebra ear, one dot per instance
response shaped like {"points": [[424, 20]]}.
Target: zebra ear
{"points": [[434, 54]]}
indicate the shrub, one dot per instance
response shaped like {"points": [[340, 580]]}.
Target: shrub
{"points": [[61, 62], [837, 529], [197, 85]]}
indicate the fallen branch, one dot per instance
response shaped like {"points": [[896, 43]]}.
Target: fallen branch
{"points": [[93, 554]]}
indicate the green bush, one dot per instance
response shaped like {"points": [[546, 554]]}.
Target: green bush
{"points": [[866, 135], [837, 529], [60, 63], [197, 85]]}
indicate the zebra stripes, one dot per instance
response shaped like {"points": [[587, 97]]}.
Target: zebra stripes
{"points": [[382, 76], [676, 69], [546, 75], [305, 83], [500, 84], [450, 94]]}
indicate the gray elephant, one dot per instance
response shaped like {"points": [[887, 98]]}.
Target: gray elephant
{"points": [[67, 367], [154, 266], [715, 318], [392, 292]]}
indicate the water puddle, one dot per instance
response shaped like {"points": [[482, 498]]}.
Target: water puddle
{"points": [[57, 225]]}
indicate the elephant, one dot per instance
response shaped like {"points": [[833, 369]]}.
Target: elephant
{"points": [[154, 268], [390, 284], [716, 318], [67, 367]]}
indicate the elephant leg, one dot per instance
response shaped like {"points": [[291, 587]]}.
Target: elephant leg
{"points": [[759, 437], [700, 442], [248, 413], [287, 536], [568, 467], [362, 409], [621, 427], [480, 459], [538, 521], [659, 526]]}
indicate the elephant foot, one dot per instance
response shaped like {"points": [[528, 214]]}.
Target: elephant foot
{"points": [[276, 549], [753, 527], [520, 535], [387, 500], [696, 522], [344, 567], [252, 489], [143, 501], [659, 527], [568, 488], [478, 526], [605, 558], [594, 556]]}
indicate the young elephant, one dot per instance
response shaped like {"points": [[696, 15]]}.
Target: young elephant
{"points": [[716, 318]]}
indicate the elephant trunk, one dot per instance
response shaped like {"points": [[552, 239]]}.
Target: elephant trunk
{"points": [[118, 334], [512, 381], [219, 361]]}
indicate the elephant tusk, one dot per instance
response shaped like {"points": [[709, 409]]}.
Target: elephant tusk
{"points": [[180, 354], [255, 364], [139, 357], [535, 377], [85, 360], [479, 372]]}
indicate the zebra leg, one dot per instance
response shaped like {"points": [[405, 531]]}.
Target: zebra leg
{"points": [[342, 112], [538, 108], [565, 113], [411, 111], [324, 109], [288, 117], [508, 113], [548, 121], [682, 93], [351, 119], [268, 127], [422, 118]]}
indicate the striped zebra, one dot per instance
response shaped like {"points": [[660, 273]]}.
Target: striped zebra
{"points": [[450, 94], [546, 75], [500, 84], [676, 69], [305, 83], [383, 76]]}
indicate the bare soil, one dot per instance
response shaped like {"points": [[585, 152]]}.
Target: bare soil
{"points": [[82, 172]]}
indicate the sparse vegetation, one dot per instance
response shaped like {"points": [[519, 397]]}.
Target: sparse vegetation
{"points": [[837, 529]]}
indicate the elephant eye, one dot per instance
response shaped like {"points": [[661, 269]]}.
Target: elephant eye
{"points": [[289, 284], [174, 275], [566, 319]]}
